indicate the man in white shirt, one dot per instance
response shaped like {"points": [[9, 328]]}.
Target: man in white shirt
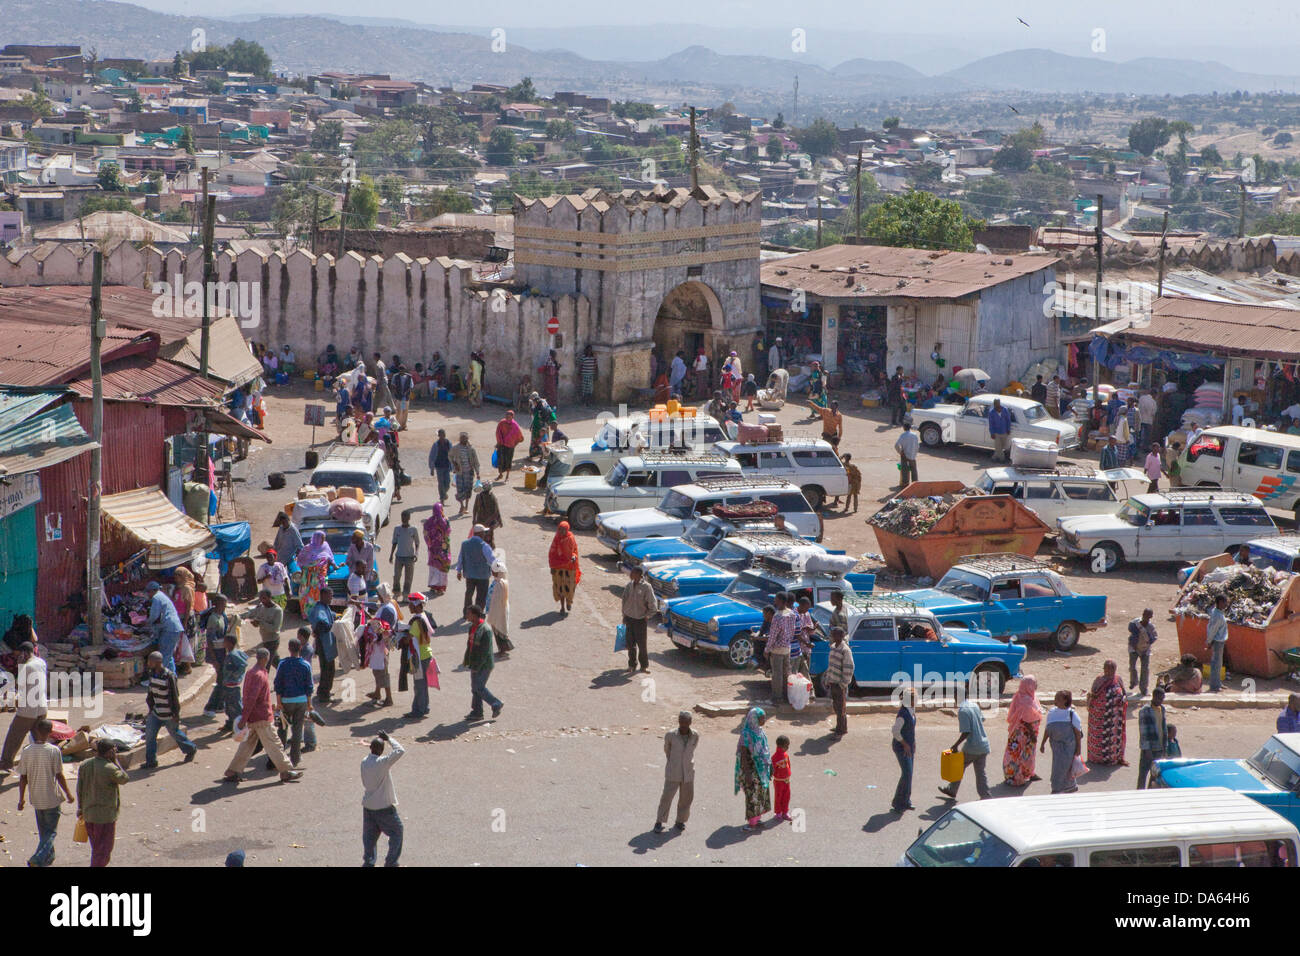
{"points": [[907, 446], [379, 804], [40, 770], [1147, 418], [774, 357], [679, 773], [31, 703], [1239, 410]]}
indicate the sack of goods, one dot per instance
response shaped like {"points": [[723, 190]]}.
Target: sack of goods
{"points": [[837, 564], [798, 689], [311, 508], [345, 509], [1033, 453], [752, 434]]}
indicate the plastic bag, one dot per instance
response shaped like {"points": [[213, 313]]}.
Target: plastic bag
{"points": [[494, 457], [620, 638], [79, 834], [798, 689]]}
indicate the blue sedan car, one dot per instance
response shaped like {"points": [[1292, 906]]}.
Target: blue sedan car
{"points": [[1012, 596], [895, 643], [711, 573], [1271, 776]]}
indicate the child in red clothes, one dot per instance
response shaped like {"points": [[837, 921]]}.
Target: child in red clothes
{"points": [[781, 777]]}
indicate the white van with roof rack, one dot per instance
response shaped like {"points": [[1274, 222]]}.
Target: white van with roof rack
{"points": [[1065, 490], [810, 463], [364, 467], [683, 504], [636, 481], [1191, 827], [633, 433]]}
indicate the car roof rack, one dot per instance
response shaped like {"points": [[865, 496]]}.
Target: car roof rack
{"points": [[766, 538], [665, 456], [1003, 562], [1202, 494], [723, 482], [882, 600], [1063, 470], [337, 451]]}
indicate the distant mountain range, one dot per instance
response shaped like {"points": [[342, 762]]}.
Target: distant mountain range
{"points": [[418, 51]]}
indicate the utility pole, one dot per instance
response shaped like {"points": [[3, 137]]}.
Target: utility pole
{"points": [[819, 220], [694, 153], [347, 191], [795, 113], [1096, 296], [857, 203], [94, 586], [1160, 280], [1241, 223], [205, 334], [315, 220]]}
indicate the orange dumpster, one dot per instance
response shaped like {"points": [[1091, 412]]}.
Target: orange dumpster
{"points": [[1250, 649], [977, 524]]}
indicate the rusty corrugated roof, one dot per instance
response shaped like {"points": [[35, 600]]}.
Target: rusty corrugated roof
{"points": [[1228, 328], [149, 379], [48, 354], [124, 306], [853, 271]]}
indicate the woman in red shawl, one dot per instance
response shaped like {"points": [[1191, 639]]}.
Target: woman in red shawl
{"points": [[1107, 718], [1023, 717], [565, 573], [437, 545]]}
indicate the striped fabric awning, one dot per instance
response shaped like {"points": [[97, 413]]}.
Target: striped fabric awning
{"points": [[147, 517]]}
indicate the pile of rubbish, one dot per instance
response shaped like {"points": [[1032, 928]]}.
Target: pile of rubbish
{"points": [[1252, 593], [913, 517]]}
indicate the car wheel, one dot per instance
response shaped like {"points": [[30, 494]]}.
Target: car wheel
{"points": [[1105, 557], [931, 435], [582, 516], [1066, 636], [816, 496], [987, 675], [586, 469], [741, 650]]}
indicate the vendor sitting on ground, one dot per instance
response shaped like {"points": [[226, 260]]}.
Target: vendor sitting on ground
{"points": [[1185, 678]]}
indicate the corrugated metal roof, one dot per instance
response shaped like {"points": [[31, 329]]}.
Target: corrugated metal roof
{"points": [[40, 353], [42, 440], [123, 306], [148, 379], [229, 358], [145, 514], [114, 225], [17, 405], [1227, 328], [853, 271]]}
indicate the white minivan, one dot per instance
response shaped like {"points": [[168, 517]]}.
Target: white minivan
{"points": [[1252, 460], [1193, 827]]}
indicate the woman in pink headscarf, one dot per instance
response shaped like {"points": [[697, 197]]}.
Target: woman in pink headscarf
{"points": [[316, 560], [1023, 717], [437, 545]]}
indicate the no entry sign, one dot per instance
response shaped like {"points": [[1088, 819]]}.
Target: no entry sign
{"points": [[553, 326]]}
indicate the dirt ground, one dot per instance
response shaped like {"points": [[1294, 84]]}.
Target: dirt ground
{"points": [[867, 436]]}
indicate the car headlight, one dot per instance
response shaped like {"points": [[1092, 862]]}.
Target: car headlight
{"points": [[620, 534], [713, 625]]}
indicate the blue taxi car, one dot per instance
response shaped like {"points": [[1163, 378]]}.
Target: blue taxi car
{"points": [[1011, 595], [1271, 776], [723, 623], [712, 572], [894, 641], [705, 532]]}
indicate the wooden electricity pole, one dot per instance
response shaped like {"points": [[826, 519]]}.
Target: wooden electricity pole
{"points": [[94, 586], [1241, 223], [1160, 274], [1096, 296], [343, 216], [819, 220], [857, 203], [694, 153], [315, 220]]}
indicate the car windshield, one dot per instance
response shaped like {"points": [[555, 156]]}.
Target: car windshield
{"points": [[345, 479], [964, 585], [702, 535], [1277, 764], [957, 840], [1265, 558], [753, 589], [729, 556], [1034, 412], [1134, 513], [985, 484], [617, 475], [677, 505]]}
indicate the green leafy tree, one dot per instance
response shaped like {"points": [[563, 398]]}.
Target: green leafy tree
{"points": [[891, 123], [37, 101], [988, 197], [98, 202], [522, 92], [1211, 157], [921, 220], [779, 122], [363, 204], [818, 139], [502, 147], [327, 136], [1148, 134], [240, 56], [393, 191], [110, 178], [1277, 224], [774, 149], [560, 130], [389, 143], [187, 139], [179, 66], [628, 109], [1017, 151], [435, 202]]}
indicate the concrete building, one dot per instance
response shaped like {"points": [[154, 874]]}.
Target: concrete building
{"points": [[668, 269], [873, 308]]}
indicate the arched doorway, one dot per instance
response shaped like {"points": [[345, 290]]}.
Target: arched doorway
{"points": [[687, 320]]}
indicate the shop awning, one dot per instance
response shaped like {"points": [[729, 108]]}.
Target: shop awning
{"points": [[148, 520], [223, 423], [42, 440]]}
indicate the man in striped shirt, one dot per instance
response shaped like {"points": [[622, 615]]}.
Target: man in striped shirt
{"points": [[164, 702]]}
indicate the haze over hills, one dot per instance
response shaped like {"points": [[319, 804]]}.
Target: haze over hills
{"points": [[303, 44]]}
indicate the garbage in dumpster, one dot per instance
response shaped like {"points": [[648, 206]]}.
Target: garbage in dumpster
{"points": [[1252, 593], [913, 517]]}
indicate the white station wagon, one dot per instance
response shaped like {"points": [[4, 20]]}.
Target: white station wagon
{"points": [[1167, 526], [812, 465], [969, 424], [1065, 490]]}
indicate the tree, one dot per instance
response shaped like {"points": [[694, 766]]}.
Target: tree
{"points": [[37, 101], [774, 149], [819, 139], [393, 191], [240, 56], [1017, 151], [327, 136], [522, 92], [110, 178], [435, 202], [502, 148], [1277, 224], [921, 220], [187, 139], [363, 204], [1148, 134], [97, 202], [988, 197], [1210, 157], [560, 130], [891, 123], [389, 143], [1283, 139], [779, 122], [179, 67], [629, 109], [1181, 129]]}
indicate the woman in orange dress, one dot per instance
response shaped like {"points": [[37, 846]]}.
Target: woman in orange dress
{"points": [[565, 572]]}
